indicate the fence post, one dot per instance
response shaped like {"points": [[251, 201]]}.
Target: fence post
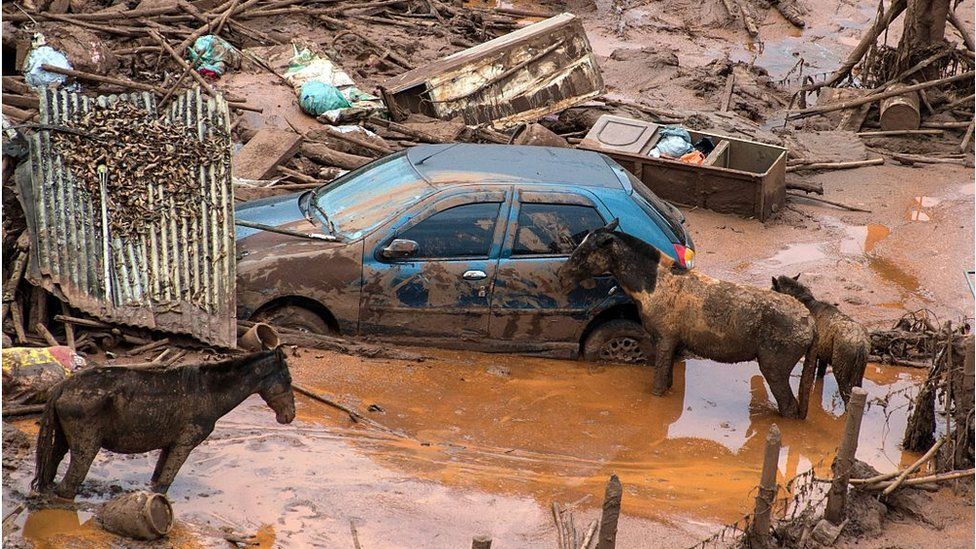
{"points": [[767, 484], [841, 467], [611, 512], [481, 542]]}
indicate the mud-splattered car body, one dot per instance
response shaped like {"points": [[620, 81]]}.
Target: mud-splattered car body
{"points": [[451, 245]]}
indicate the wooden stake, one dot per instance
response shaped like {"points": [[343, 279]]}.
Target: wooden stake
{"points": [[17, 316], [767, 484], [844, 462], [611, 512], [69, 329], [969, 135], [729, 85]]}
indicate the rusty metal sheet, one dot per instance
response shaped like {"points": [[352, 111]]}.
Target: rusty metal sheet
{"points": [[740, 177], [178, 275], [522, 76]]}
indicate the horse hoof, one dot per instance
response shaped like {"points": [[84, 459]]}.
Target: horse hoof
{"points": [[658, 392]]}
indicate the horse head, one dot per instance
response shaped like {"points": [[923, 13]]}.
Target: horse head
{"points": [[275, 387], [591, 258], [792, 286]]}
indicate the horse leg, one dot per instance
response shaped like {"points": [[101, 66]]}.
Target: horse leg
{"points": [[663, 362], [806, 382], [163, 456], [175, 456], [82, 457], [777, 370]]}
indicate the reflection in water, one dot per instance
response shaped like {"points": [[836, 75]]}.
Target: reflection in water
{"points": [[919, 203], [50, 528], [863, 238], [556, 430], [795, 254]]}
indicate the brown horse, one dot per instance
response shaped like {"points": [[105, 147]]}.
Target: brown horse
{"points": [[841, 342], [711, 318], [131, 411]]}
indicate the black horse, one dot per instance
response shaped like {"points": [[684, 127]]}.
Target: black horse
{"points": [[711, 318], [131, 411]]}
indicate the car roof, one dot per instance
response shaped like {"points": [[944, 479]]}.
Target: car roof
{"points": [[466, 162]]}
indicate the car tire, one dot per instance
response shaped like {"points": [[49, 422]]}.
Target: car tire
{"points": [[294, 317], [620, 340]]}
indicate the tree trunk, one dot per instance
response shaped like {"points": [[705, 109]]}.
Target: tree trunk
{"points": [[925, 22]]}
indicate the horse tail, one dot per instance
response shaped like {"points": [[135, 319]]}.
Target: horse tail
{"points": [[49, 437]]}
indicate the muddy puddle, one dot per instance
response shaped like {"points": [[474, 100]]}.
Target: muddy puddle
{"points": [[795, 254], [486, 443]]}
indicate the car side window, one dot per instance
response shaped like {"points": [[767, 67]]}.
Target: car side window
{"points": [[553, 229], [461, 231]]}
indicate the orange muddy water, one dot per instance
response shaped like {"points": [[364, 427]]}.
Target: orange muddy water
{"points": [[468, 443]]}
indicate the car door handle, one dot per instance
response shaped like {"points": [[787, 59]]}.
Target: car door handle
{"points": [[474, 275]]}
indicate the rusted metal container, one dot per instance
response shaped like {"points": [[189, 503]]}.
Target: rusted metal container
{"points": [[739, 177], [140, 515], [522, 76]]}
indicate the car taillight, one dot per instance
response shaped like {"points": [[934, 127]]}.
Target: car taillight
{"points": [[686, 256]]}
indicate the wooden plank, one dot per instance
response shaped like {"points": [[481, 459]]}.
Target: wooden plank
{"points": [[260, 157]]}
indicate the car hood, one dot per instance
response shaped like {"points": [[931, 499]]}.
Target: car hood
{"points": [[274, 211]]}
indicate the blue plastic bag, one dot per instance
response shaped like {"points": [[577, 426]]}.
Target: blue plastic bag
{"points": [[674, 143], [317, 97], [214, 55]]}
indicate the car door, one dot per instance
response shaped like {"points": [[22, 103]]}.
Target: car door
{"points": [[443, 288], [529, 302]]}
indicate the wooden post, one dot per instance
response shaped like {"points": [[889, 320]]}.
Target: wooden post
{"points": [[767, 484], [611, 512], [481, 542], [841, 467]]}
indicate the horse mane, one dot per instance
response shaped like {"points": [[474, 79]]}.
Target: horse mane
{"points": [[192, 374]]}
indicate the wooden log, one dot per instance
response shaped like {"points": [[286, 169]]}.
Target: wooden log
{"points": [[69, 329], [23, 410], [42, 330], [294, 174], [767, 485], [17, 114], [831, 202], [966, 138], [898, 133], [17, 317], [912, 159], [148, 347], [913, 467], [844, 462], [836, 165], [331, 157], [263, 153], [22, 101], [481, 542], [918, 482], [406, 130], [820, 109], [868, 39], [901, 111], [727, 96], [37, 312], [350, 138], [805, 187], [963, 29], [607, 538]]}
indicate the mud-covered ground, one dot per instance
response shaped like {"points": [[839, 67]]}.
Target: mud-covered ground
{"points": [[483, 444]]}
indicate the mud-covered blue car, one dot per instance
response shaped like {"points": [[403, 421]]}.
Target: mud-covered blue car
{"points": [[456, 246]]}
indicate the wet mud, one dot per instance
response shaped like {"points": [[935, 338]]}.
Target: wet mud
{"points": [[502, 435]]}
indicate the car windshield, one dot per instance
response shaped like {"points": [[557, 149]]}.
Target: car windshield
{"points": [[362, 199]]}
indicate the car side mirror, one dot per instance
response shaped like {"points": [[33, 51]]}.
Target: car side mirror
{"points": [[400, 248]]}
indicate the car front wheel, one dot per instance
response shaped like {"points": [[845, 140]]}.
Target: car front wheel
{"points": [[294, 317], [620, 340]]}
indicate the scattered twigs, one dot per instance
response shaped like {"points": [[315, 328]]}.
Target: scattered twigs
{"points": [[830, 202], [820, 109], [921, 481], [913, 467]]}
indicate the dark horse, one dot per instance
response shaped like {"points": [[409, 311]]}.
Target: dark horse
{"points": [[711, 318], [841, 342], [132, 411]]}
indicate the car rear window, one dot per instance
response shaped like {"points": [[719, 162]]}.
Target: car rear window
{"points": [[553, 229], [364, 198]]}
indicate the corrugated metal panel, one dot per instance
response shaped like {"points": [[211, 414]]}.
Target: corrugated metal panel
{"points": [[179, 275]]}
